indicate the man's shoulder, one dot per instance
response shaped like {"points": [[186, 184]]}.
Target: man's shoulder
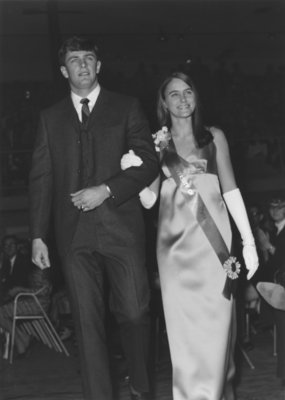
{"points": [[117, 97], [58, 106]]}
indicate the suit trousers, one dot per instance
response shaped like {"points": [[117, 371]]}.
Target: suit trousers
{"points": [[93, 255]]}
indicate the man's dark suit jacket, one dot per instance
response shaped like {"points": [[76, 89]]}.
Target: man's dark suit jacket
{"points": [[116, 124]]}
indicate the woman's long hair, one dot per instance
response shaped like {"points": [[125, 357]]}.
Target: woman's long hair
{"points": [[202, 135]]}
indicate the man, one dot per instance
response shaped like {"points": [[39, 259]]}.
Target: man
{"points": [[274, 293], [98, 218]]}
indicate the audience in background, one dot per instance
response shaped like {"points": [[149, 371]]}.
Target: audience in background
{"points": [[61, 314], [14, 266], [273, 293], [18, 275], [262, 227], [239, 107]]}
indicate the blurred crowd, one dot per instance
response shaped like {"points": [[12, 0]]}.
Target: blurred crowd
{"points": [[249, 108]]}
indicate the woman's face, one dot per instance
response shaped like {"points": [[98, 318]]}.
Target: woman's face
{"points": [[179, 99]]}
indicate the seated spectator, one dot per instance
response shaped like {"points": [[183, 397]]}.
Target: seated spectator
{"points": [[274, 292], [263, 231], [23, 276], [14, 267], [61, 314]]}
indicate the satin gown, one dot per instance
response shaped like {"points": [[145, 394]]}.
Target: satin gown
{"points": [[200, 321]]}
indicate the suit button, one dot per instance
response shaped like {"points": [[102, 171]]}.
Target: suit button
{"points": [[78, 172], [78, 141]]}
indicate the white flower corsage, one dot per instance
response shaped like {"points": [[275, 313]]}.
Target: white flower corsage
{"points": [[161, 138], [232, 267]]}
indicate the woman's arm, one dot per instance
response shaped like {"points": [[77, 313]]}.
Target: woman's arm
{"points": [[234, 201], [148, 195], [224, 163]]}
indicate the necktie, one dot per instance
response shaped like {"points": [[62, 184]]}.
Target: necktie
{"points": [[85, 112]]}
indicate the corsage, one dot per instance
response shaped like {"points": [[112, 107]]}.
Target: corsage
{"points": [[161, 138], [232, 267]]}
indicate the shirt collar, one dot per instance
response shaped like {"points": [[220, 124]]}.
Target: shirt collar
{"points": [[280, 225], [92, 97], [12, 260]]}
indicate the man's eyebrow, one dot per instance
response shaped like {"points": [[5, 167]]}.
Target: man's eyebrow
{"points": [[72, 56], [90, 53]]}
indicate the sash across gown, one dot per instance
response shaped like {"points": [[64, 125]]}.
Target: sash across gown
{"points": [[200, 321]]}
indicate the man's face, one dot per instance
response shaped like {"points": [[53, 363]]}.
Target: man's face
{"points": [[10, 247], [81, 69], [277, 213]]}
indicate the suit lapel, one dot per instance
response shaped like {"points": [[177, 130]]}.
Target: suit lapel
{"points": [[99, 112], [97, 116], [70, 115]]}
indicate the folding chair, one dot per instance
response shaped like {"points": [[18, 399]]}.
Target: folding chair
{"points": [[36, 324], [247, 358]]}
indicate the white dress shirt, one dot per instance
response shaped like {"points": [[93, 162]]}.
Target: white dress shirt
{"points": [[92, 97], [280, 225], [12, 262]]}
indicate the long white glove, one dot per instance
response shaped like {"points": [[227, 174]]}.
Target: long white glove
{"points": [[236, 207], [147, 196]]}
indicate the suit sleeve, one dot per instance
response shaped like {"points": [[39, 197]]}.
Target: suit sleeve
{"points": [[130, 182], [40, 185]]}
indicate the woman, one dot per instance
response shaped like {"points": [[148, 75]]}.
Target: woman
{"points": [[194, 243]]}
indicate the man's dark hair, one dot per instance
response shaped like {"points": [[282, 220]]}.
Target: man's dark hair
{"points": [[76, 43]]}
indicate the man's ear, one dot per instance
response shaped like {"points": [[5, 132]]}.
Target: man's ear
{"points": [[64, 71], [98, 67]]}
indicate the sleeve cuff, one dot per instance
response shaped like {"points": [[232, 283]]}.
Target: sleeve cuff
{"points": [[109, 191]]}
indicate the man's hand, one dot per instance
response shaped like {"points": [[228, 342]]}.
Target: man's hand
{"points": [[40, 255], [90, 198]]}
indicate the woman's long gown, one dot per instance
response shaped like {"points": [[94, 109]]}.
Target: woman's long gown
{"points": [[199, 319]]}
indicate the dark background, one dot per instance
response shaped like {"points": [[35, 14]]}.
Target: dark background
{"points": [[235, 49]]}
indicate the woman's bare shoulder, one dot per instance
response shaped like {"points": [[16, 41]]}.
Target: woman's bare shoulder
{"points": [[218, 134], [219, 137]]}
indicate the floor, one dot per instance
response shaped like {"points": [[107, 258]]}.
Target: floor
{"points": [[45, 374]]}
